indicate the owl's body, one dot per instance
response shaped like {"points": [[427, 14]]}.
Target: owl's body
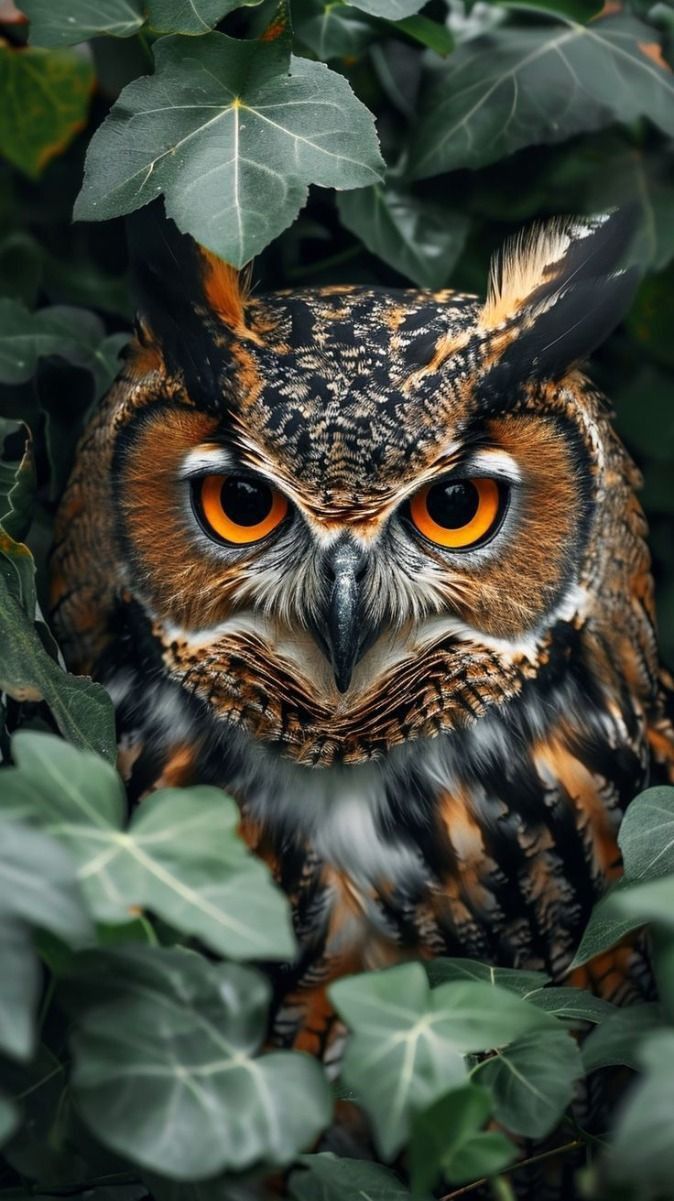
{"points": [[431, 742]]}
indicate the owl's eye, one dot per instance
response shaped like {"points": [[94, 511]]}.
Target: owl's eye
{"points": [[239, 510], [458, 514]]}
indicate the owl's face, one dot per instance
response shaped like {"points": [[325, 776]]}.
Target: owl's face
{"points": [[353, 517]]}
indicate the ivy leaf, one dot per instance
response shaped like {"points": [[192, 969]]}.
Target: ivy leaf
{"points": [[606, 927], [81, 709], [166, 1068], [640, 1155], [418, 238], [571, 1004], [232, 138], [327, 1177], [191, 17], [536, 85], [50, 26], [181, 856], [71, 333], [408, 1042], [445, 969], [615, 1042], [37, 888], [532, 1081], [646, 836], [392, 10], [448, 1141], [45, 103], [17, 478], [332, 30]]}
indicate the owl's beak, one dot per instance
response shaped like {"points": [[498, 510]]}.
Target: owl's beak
{"points": [[344, 633]]}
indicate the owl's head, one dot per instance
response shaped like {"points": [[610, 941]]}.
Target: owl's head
{"points": [[355, 516]]}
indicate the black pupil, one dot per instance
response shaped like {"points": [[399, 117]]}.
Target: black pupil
{"points": [[453, 505], [245, 502]]}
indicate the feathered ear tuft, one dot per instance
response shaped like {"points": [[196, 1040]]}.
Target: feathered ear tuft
{"points": [[187, 297], [561, 288]]}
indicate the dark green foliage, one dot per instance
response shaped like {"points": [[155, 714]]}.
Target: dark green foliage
{"points": [[132, 1050]]}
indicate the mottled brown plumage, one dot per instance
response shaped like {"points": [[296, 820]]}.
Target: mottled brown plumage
{"points": [[432, 744]]}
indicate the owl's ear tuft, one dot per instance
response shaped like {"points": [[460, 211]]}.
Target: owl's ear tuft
{"points": [[188, 299], [562, 289]]}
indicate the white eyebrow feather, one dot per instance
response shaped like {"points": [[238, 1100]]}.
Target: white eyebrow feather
{"points": [[206, 458]]}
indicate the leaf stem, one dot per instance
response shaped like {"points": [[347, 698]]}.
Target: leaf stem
{"points": [[564, 1149]]}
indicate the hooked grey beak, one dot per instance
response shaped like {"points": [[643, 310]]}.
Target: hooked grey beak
{"points": [[345, 635]]}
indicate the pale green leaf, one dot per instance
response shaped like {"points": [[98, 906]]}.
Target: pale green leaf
{"points": [[408, 1042], [166, 1068], [392, 10], [181, 856], [533, 1080], [446, 969], [448, 1141], [571, 1004], [640, 1155], [232, 135], [647, 835]]}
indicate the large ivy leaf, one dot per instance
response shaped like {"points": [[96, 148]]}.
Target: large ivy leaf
{"points": [[448, 1140], [181, 856], [539, 84], [191, 17], [37, 888], [615, 1042], [45, 103], [446, 969], [81, 709], [327, 1177], [647, 835], [640, 1155], [532, 1081], [408, 1042], [51, 26], [232, 138], [418, 238], [166, 1069]]}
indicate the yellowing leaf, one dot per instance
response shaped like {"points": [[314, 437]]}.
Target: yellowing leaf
{"points": [[45, 100]]}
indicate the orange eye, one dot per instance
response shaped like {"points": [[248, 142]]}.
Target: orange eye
{"points": [[457, 514], [237, 509]]}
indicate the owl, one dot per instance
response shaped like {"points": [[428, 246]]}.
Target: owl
{"points": [[372, 561]]}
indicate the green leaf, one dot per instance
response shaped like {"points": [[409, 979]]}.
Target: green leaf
{"points": [[73, 334], [577, 10], [443, 970], [181, 857], [191, 17], [646, 836], [428, 33], [645, 413], [641, 1151], [45, 103], [17, 479], [326, 1177], [332, 30], [571, 1004], [408, 1042], [166, 1072], [232, 138], [521, 86], [418, 238], [9, 1118], [606, 927], [448, 1142], [50, 26], [37, 888], [81, 709], [532, 1081], [392, 10], [616, 1040]]}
